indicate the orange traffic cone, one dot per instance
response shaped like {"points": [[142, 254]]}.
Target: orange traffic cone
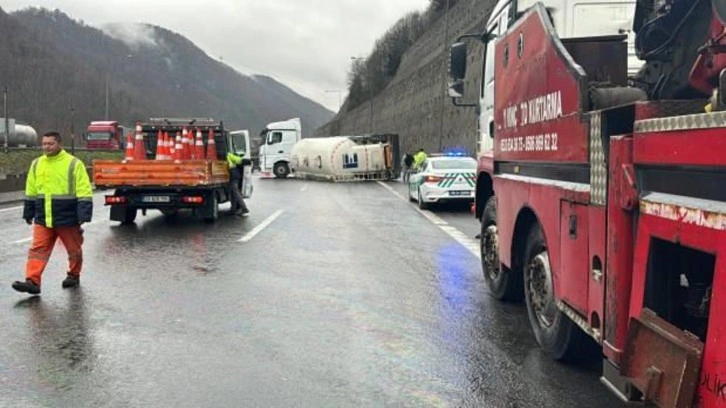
{"points": [[211, 146], [168, 146], [159, 146], [172, 148], [186, 144], [139, 148], [178, 149], [129, 147], [199, 146]]}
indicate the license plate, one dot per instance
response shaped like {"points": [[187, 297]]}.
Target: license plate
{"points": [[155, 199], [459, 193]]}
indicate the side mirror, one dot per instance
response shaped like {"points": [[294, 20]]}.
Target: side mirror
{"points": [[456, 89], [457, 61]]}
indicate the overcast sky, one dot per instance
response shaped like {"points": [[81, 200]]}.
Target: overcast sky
{"points": [[305, 44]]}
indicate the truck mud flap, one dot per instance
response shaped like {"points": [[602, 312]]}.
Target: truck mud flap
{"points": [[662, 361]]}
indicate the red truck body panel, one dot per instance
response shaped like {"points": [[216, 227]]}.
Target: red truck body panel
{"points": [[610, 188]]}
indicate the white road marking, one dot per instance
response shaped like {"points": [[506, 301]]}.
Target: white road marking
{"points": [[11, 209], [20, 206], [305, 187], [22, 241], [468, 243], [264, 224]]}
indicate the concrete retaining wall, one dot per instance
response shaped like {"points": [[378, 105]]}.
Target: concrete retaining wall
{"points": [[415, 105]]}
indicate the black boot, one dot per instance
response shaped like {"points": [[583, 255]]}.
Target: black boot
{"points": [[71, 281], [26, 287]]}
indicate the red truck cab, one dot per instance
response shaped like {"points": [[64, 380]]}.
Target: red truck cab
{"points": [[105, 135]]}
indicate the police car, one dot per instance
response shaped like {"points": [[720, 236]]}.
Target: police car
{"points": [[443, 178]]}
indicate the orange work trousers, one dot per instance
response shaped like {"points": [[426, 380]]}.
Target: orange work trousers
{"points": [[44, 239]]}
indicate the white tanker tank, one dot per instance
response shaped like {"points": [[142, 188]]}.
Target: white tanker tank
{"points": [[347, 158], [19, 136]]}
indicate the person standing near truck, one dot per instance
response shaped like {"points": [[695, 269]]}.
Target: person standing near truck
{"points": [[418, 159], [238, 207], [58, 200]]}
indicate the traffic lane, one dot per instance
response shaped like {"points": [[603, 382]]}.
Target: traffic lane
{"points": [[457, 214], [504, 329], [294, 316], [16, 231], [95, 347]]}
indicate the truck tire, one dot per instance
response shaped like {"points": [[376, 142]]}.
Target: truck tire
{"points": [[554, 331], [212, 211], [281, 170], [129, 216], [504, 284]]}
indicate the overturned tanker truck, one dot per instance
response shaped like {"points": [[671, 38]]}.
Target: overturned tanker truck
{"points": [[347, 158]]}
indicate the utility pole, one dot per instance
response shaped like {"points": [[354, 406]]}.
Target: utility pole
{"points": [[106, 115], [7, 120], [339, 92], [443, 81], [73, 135]]}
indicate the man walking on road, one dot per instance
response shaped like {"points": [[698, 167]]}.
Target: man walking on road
{"points": [[58, 199], [239, 207], [407, 163]]}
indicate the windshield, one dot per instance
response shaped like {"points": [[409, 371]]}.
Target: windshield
{"points": [[238, 139], [452, 164], [99, 135]]}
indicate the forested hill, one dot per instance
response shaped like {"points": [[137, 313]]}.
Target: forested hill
{"points": [[56, 68]]}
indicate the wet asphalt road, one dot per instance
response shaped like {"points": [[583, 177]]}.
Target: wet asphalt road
{"points": [[347, 297]]}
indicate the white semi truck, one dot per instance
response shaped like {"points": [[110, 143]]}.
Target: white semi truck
{"points": [[278, 138]]}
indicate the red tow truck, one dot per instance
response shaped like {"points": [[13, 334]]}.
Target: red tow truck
{"points": [[105, 135], [603, 200]]}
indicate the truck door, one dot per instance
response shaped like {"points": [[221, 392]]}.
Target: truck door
{"points": [[247, 169], [273, 148]]}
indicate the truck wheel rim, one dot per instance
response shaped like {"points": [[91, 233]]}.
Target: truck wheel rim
{"points": [[540, 289], [490, 251]]}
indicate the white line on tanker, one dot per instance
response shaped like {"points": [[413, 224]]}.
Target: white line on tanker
{"points": [[264, 224], [453, 232]]}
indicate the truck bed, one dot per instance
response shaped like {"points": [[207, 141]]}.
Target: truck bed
{"points": [[186, 173]]}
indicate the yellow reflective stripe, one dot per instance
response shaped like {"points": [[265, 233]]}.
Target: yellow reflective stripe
{"points": [[48, 210], [71, 178]]}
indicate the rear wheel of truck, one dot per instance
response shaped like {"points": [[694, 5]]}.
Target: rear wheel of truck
{"points": [[503, 283], [212, 211], [281, 170], [555, 332], [129, 215]]}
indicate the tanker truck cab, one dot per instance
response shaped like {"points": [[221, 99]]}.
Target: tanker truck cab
{"points": [[278, 138]]}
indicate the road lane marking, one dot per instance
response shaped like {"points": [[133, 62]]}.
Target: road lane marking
{"points": [[468, 243], [22, 241], [2, 210], [264, 224], [11, 209], [305, 187]]}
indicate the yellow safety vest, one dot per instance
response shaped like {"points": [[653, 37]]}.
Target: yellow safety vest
{"points": [[58, 191]]}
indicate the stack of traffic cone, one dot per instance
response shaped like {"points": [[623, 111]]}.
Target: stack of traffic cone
{"points": [[165, 146], [211, 146], [159, 146], [172, 148], [199, 146], [186, 145], [139, 149], [178, 148], [129, 147]]}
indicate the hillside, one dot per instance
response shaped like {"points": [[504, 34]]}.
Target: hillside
{"points": [[58, 68]]}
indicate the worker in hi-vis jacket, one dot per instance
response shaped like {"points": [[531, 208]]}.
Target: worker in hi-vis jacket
{"points": [[58, 200]]}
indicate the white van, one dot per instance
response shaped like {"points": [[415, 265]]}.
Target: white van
{"points": [[278, 138], [571, 19]]}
